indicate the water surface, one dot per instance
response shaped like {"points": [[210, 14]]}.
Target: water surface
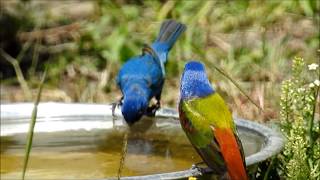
{"points": [[154, 146]]}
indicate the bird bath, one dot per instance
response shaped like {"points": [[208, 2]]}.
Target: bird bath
{"points": [[83, 141]]}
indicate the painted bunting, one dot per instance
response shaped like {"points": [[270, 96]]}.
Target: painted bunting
{"points": [[208, 124], [142, 77]]}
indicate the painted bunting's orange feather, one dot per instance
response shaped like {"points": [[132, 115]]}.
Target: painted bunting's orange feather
{"points": [[231, 154]]}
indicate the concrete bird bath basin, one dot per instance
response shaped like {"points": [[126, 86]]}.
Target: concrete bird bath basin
{"points": [[83, 141]]}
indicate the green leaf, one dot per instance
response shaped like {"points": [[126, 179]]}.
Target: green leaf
{"points": [[31, 126]]}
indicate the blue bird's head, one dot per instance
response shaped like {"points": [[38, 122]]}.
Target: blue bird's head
{"points": [[194, 81], [134, 105]]}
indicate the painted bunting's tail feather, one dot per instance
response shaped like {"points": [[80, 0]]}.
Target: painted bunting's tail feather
{"points": [[231, 154], [169, 32]]}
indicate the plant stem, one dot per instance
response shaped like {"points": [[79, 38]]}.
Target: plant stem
{"points": [[20, 77], [23, 51], [32, 125], [237, 85], [312, 119], [123, 153], [266, 175], [35, 58]]}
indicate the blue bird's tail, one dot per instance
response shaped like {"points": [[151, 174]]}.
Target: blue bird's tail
{"points": [[169, 32]]}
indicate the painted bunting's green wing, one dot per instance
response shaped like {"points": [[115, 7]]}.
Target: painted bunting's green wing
{"points": [[203, 141]]}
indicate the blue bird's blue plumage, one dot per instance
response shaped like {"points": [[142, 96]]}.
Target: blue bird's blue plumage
{"points": [[141, 78], [194, 81], [133, 105]]}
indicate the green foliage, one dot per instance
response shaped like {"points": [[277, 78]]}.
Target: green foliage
{"points": [[301, 155], [251, 41]]}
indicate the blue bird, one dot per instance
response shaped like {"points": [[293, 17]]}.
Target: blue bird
{"points": [[142, 77]]}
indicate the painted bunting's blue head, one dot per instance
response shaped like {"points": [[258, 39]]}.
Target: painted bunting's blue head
{"points": [[194, 81], [135, 103]]}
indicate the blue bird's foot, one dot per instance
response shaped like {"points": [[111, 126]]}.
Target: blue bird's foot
{"points": [[114, 105], [151, 111]]}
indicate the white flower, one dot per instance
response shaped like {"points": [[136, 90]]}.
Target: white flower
{"points": [[313, 66], [311, 85], [316, 82]]}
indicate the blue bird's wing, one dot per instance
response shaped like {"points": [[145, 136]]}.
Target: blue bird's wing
{"points": [[142, 70], [154, 56]]}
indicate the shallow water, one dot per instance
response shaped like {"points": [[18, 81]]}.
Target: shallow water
{"points": [[152, 148]]}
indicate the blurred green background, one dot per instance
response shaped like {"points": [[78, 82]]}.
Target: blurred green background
{"points": [[84, 43]]}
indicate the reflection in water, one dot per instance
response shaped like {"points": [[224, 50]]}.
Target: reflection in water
{"points": [[152, 148]]}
